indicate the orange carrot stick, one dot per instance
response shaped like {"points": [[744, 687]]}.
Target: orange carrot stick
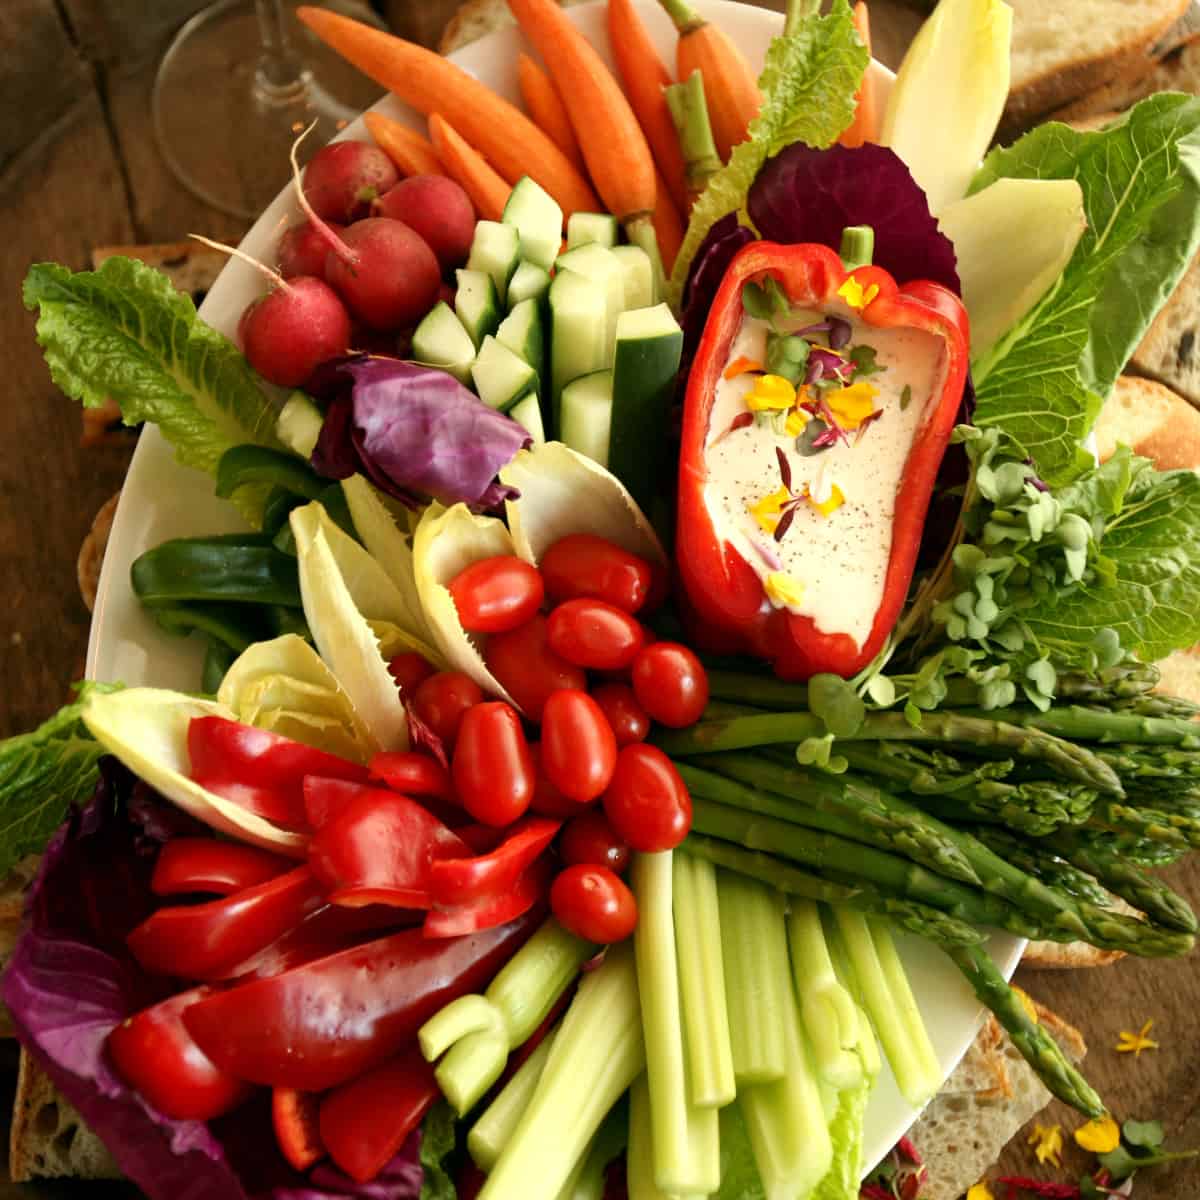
{"points": [[863, 126], [668, 226], [498, 130], [614, 147], [729, 82], [412, 153], [545, 106], [645, 75], [467, 167]]}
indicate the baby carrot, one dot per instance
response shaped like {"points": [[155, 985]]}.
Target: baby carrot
{"points": [[412, 153], [499, 130], [608, 133], [645, 75], [668, 226], [860, 129], [729, 83], [545, 106], [467, 167]]}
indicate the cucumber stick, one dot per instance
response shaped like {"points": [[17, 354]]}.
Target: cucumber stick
{"points": [[442, 340], [604, 269], [523, 332], [476, 304], [637, 274], [586, 416], [496, 250], [501, 377], [529, 282], [648, 348], [298, 425], [538, 220], [577, 329], [584, 228], [527, 413]]}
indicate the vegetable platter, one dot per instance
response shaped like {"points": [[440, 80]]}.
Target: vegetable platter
{"points": [[855, 694]]}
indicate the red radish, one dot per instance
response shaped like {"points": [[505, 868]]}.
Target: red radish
{"points": [[438, 209], [302, 250], [343, 178], [447, 292], [384, 272], [296, 326]]}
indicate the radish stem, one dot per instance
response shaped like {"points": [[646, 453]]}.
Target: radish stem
{"points": [[330, 238], [274, 276]]}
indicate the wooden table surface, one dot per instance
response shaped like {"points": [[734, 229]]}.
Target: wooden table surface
{"points": [[79, 168]]}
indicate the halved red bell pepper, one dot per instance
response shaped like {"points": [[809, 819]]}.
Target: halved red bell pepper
{"points": [[324, 1023], [187, 865], [364, 1122], [378, 848], [207, 941], [260, 770], [295, 1116], [726, 603], [461, 880], [493, 908]]}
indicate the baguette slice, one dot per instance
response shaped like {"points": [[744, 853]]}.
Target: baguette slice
{"points": [[1179, 71], [1153, 421]]}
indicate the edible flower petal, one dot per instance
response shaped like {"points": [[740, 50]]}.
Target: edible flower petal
{"points": [[1100, 1135], [856, 295], [797, 419], [831, 503], [741, 366], [771, 393], [1136, 1042], [783, 590], [767, 511], [1047, 1143], [980, 1191], [852, 405]]}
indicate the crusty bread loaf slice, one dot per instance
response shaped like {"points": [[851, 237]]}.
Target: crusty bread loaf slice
{"points": [[48, 1139], [1170, 351], [962, 1131], [1153, 421], [1179, 71], [476, 18], [1061, 51], [91, 553]]}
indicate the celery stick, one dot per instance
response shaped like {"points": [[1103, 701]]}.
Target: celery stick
{"points": [[827, 1010], [867, 1044], [702, 982], [596, 1055], [903, 1000], [786, 1119], [491, 1133], [587, 1181], [893, 1022], [476, 1033], [639, 1167], [684, 1138], [757, 976]]}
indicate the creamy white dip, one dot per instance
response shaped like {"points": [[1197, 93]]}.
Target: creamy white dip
{"points": [[838, 561]]}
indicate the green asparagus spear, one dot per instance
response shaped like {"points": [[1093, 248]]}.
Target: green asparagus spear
{"points": [[1078, 722], [742, 732], [1035, 857], [1037, 1047], [1155, 704], [1151, 763], [1142, 852]]}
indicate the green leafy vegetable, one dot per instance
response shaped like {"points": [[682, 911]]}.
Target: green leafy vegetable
{"points": [[808, 84], [42, 773], [439, 1134], [1044, 382], [846, 1133], [124, 332]]}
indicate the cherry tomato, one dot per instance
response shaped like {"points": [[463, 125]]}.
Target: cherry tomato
{"points": [[579, 749], [412, 773], [670, 684], [494, 772], [660, 588], [647, 803], [497, 594], [592, 903], [294, 1116], [442, 699], [591, 633], [155, 1054], [547, 800], [582, 564], [623, 712], [528, 669], [409, 669], [589, 840]]}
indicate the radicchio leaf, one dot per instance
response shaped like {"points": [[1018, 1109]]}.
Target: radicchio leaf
{"points": [[716, 252], [807, 195]]}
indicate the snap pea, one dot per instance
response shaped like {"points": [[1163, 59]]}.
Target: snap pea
{"points": [[276, 510], [218, 658], [235, 626], [241, 465], [238, 568]]}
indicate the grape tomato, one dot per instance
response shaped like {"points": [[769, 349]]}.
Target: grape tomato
{"points": [[647, 803], [592, 633], [670, 684], [582, 564], [590, 840], [493, 769], [528, 669], [442, 699], [623, 712], [496, 594], [592, 903], [578, 749]]}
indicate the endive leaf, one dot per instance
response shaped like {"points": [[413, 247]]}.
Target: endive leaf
{"points": [[146, 728]]}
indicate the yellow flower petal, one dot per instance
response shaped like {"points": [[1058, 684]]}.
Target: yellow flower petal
{"points": [[796, 421], [855, 295], [831, 504], [980, 1191], [1047, 1143], [1100, 1135], [1136, 1042], [771, 392], [766, 511], [852, 405], [783, 590]]}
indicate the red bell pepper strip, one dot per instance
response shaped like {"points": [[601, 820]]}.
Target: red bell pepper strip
{"points": [[187, 865], [364, 1122], [156, 1055], [725, 599], [207, 941], [493, 908], [412, 773], [377, 849], [260, 770], [295, 1118], [323, 1023], [454, 881]]}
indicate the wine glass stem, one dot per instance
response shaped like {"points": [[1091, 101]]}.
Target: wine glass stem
{"points": [[280, 73]]}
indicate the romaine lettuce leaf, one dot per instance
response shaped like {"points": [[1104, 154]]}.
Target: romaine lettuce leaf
{"points": [[124, 332], [808, 84], [1044, 382], [439, 1136], [846, 1133]]}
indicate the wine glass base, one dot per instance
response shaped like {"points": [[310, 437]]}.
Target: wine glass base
{"points": [[224, 130]]}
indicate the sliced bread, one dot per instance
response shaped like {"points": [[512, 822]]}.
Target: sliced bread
{"points": [[1179, 71], [1153, 421], [1170, 351], [476, 18]]}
